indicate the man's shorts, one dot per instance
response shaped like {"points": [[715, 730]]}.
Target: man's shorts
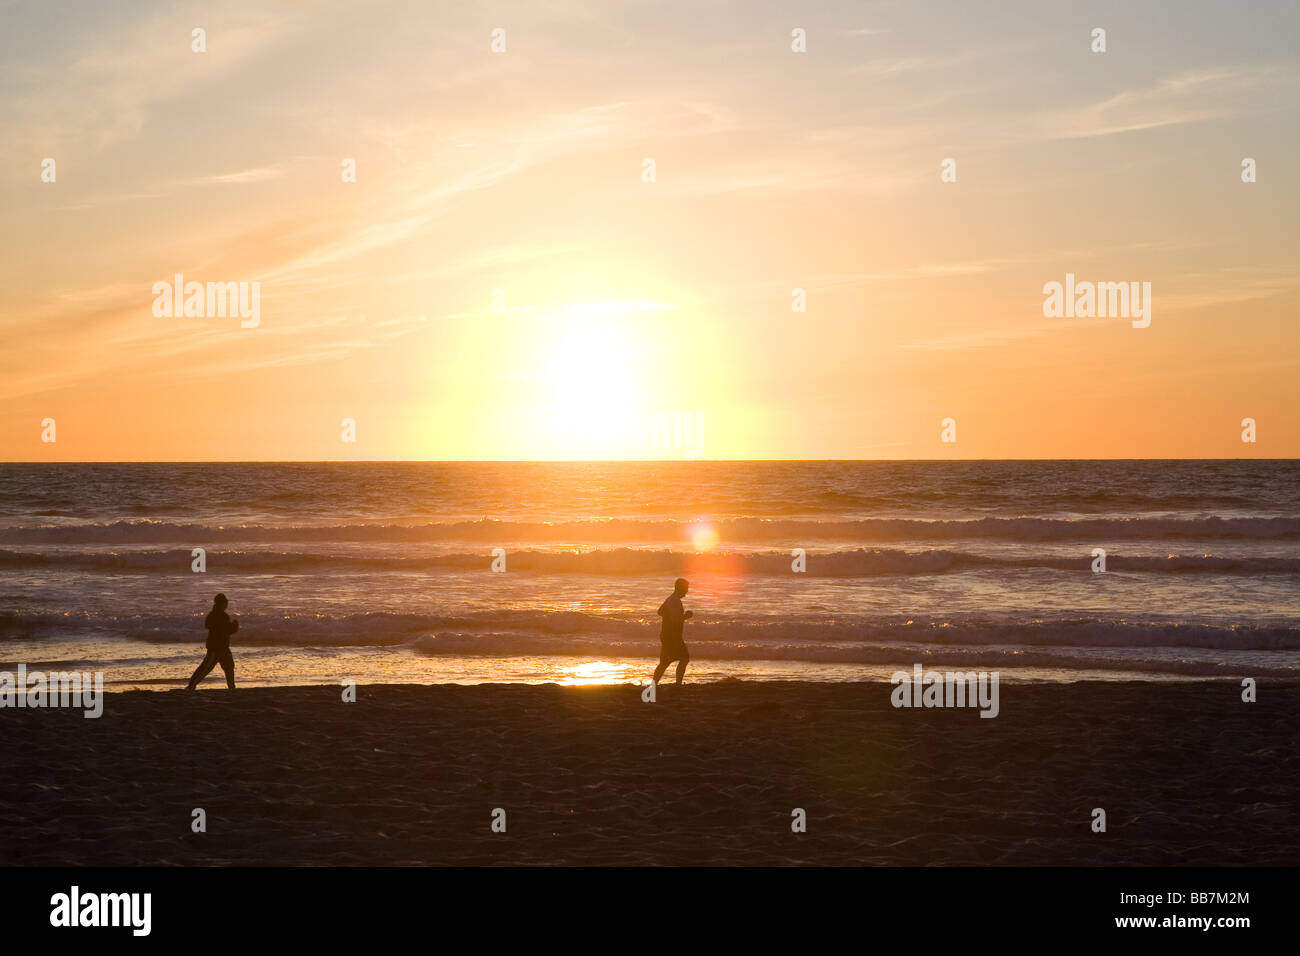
{"points": [[673, 651]]}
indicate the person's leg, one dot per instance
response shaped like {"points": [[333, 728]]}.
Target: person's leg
{"points": [[209, 662], [227, 660], [664, 661], [681, 667]]}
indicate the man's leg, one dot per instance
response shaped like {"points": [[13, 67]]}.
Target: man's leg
{"points": [[681, 667], [209, 662], [664, 661], [227, 660]]}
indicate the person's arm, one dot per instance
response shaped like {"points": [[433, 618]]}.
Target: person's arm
{"points": [[672, 611]]}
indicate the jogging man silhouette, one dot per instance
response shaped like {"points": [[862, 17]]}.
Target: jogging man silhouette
{"points": [[220, 626], [672, 646]]}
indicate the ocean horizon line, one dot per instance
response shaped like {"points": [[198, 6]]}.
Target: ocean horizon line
{"points": [[592, 461]]}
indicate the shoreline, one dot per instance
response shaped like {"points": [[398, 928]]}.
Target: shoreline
{"points": [[161, 666], [708, 775], [214, 685]]}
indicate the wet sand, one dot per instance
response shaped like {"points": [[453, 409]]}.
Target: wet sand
{"points": [[708, 775]]}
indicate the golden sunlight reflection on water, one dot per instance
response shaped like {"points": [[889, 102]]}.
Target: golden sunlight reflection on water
{"points": [[595, 672]]}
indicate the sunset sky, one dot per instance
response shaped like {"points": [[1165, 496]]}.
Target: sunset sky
{"points": [[624, 302]]}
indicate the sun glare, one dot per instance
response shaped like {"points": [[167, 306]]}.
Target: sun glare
{"points": [[589, 384], [595, 672], [704, 536], [590, 359]]}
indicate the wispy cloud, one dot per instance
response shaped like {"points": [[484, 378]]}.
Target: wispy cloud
{"points": [[109, 84], [892, 66], [1190, 97], [992, 338], [259, 174]]}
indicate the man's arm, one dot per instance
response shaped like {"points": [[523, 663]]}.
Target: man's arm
{"points": [[671, 611]]}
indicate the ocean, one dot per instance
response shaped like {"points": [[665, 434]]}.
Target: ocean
{"points": [[383, 572]]}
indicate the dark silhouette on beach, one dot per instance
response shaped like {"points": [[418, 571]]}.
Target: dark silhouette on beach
{"points": [[672, 644], [220, 626]]}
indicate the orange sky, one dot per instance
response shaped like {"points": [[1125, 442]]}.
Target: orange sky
{"points": [[501, 282]]}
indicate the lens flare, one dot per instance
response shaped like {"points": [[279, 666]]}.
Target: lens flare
{"points": [[704, 536]]}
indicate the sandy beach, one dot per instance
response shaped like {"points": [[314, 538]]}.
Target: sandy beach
{"points": [[410, 775]]}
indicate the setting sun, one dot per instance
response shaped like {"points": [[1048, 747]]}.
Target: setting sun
{"points": [[592, 366]]}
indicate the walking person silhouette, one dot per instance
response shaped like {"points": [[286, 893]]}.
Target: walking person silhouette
{"points": [[220, 626], [672, 646]]}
